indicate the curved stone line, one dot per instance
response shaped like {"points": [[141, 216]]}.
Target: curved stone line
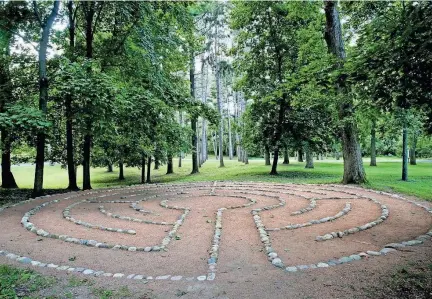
{"points": [[31, 227], [90, 272], [310, 207], [109, 214], [341, 213], [272, 188], [384, 215], [67, 216], [276, 261]]}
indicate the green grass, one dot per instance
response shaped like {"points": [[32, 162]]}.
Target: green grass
{"points": [[21, 283], [386, 176]]}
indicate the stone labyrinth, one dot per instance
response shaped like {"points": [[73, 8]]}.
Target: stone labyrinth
{"points": [[197, 231]]}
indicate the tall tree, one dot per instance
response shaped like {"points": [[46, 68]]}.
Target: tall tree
{"points": [[45, 25], [353, 163]]}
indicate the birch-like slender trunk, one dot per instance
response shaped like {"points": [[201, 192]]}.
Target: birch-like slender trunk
{"points": [[219, 100], [195, 167]]}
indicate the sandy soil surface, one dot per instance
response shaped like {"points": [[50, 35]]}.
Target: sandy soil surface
{"points": [[243, 269]]}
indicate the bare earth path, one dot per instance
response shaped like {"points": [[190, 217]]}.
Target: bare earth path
{"points": [[221, 239]]}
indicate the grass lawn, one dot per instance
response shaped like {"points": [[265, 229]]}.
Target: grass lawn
{"points": [[386, 176]]}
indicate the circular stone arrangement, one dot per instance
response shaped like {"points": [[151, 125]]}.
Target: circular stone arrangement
{"points": [[193, 231]]}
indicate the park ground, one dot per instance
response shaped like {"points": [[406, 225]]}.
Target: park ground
{"points": [[410, 278]]}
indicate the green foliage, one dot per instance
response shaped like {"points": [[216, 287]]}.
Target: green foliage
{"points": [[21, 283]]}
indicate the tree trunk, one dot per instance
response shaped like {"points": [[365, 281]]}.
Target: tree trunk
{"points": [[300, 155], [89, 12], [8, 180], [181, 153], [230, 145], [286, 156], [353, 163], [170, 168], [149, 160], [373, 144], [43, 94], [68, 108], [219, 102], [405, 152], [413, 159], [156, 164], [309, 156], [121, 173], [143, 162], [110, 167], [245, 157], [267, 155], [195, 168]]}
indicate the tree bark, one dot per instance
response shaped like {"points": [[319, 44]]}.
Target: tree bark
{"points": [[43, 93], [181, 153], [413, 159], [121, 173], [405, 152], [373, 144], [68, 108], [89, 12], [156, 164], [286, 156], [143, 163], [170, 168], [110, 167], [267, 155], [219, 102], [353, 163], [309, 156], [300, 155], [149, 160], [195, 167], [245, 157], [8, 180]]}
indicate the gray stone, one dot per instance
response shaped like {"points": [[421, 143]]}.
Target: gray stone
{"points": [[345, 259], [291, 269], [272, 255], [176, 277], [107, 274], [355, 257], [331, 263], [387, 250], [162, 277], [202, 278], [322, 265], [211, 276], [88, 272], [138, 277], [395, 245], [130, 276], [277, 262], [413, 242], [79, 269], [371, 252], [303, 267], [336, 262], [24, 260], [52, 266], [63, 268], [118, 275]]}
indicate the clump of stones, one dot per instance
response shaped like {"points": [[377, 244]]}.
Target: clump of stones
{"points": [[253, 189]]}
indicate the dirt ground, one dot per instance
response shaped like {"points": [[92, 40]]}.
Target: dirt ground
{"points": [[243, 269]]}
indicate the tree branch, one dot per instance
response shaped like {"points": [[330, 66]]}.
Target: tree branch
{"points": [[37, 15]]}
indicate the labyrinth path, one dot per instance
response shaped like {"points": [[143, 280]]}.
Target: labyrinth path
{"points": [[195, 231]]}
